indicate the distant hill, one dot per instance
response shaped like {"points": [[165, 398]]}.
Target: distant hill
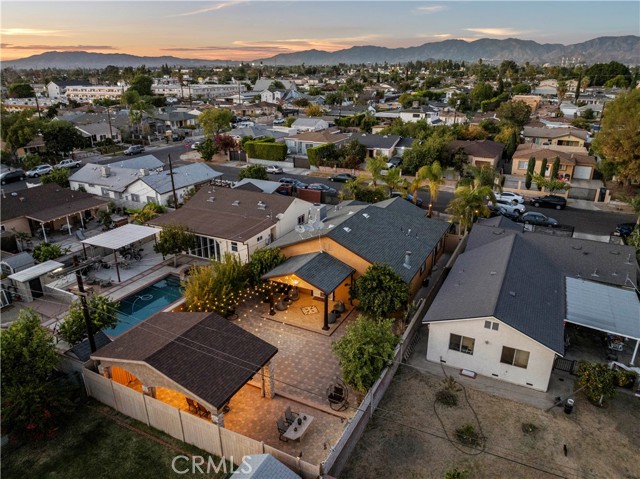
{"points": [[625, 49], [68, 60]]}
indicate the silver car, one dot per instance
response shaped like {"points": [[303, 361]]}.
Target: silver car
{"points": [[39, 171]]}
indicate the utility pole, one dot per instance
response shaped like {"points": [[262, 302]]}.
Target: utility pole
{"points": [[37, 105], [173, 184], [83, 304]]}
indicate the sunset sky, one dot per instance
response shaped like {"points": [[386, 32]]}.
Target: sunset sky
{"points": [[247, 30]]}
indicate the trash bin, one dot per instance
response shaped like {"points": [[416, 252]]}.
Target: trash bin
{"points": [[568, 406]]}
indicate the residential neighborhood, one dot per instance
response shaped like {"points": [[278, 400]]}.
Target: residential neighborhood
{"points": [[320, 258]]}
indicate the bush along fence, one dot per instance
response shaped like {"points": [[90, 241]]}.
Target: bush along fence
{"points": [[266, 150], [186, 427]]}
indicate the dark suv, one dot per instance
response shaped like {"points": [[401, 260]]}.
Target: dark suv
{"points": [[550, 201]]}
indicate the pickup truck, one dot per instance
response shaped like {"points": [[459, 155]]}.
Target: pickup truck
{"points": [[69, 163]]}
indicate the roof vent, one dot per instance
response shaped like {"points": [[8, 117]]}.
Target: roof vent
{"points": [[493, 273], [347, 229], [236, 203], [261, 205], [409, 232], [407, 256], [144, 172], [595, 273], [512, 293], [366, 215], [105, 171], [614, 252], [211, 199]]}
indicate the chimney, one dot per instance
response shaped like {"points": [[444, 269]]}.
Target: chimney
{"points": [[415, 104], [144, 172], [106, 171], [407, 255]]}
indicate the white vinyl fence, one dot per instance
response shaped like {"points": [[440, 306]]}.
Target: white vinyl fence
{"points": [[193, 430]]}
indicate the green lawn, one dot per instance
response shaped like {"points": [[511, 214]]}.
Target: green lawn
{"points": [[92, 446]]}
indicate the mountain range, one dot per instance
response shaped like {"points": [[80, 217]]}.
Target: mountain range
{"points": [[624, 49]]}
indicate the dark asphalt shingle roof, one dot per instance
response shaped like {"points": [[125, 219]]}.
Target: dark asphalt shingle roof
{"points": [[82, 351], [319, 269], [263, 466], [510, 280], [376, 141], [202, 352]]}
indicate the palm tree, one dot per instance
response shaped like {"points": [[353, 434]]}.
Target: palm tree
{"points": [[375, 167], [468, 203], [394, 180], [486, 175], [348, 192], [433, 173]]}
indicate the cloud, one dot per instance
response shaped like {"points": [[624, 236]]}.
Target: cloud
{"points": [[213, 8], [497, 32], [229, 48], [34, 32], [70, 48], [431, 9]]}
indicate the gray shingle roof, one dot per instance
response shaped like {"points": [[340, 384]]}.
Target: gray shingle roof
{"points": [[511, 281], [148, 162], [319, 269], [264, 466], [19, 261], [376, 141], [183, 176], [533, 132], [118, 180]]}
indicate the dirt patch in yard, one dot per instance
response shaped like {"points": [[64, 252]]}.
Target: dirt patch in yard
{"points": [[411, 436]]}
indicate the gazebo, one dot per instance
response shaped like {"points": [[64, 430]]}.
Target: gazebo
{"points": [[119, 238]]}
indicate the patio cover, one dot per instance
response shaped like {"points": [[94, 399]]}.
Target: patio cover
{"points": [[123, 236], [606, 308], [201, 354], [36, 271], [318, 269]]}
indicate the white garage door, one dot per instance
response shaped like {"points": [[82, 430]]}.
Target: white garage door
{"points": [[582, 172]]}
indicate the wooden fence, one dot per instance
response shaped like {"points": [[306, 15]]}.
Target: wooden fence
{"points": [[193, 430]]}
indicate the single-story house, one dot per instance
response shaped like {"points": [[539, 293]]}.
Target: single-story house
{"points": [[377, 144], [146, 162], [422, 112], [97, 132], [480, 152], [572, 165], [134, 188], [298, 144], [310, 124], [257, 131], [173, 120], [489, 320], [263, 186], [48, 207], [236, 220]]}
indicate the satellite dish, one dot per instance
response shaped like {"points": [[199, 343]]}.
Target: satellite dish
{"points": [[300, 228]]}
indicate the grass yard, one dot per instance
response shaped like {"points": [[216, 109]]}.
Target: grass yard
{"points": [[406, 439], [94, 445]]}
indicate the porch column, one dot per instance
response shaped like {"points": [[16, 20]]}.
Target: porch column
{"points": [[635, 353], [325, 326], [268, 383], [117, 268], [81, 219], [68, 226], [217, 418], [44, 233]]}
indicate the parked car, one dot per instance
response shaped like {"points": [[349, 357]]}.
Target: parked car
{"points": [[394, 162], [288, 181], [134, 150], [342, 177], [510, 206], [550, 201], [295, 184], [274, 170], [623, 229], [409, 197], [278, 121], [195, 145], [322, 187], [500, 211], [509, 196], [299, 185], [11, 176], [69, 163], [39, 171], [538, 219]]}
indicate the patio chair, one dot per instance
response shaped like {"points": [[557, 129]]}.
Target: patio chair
{"points": [[192, 405], [337, 393], [80, 235], [282, 429], [290, 416], [339, 307], [203, 411]]}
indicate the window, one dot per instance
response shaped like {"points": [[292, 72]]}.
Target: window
{"points": [[491, 325], [151, 199], [91, 185], [105, 192], [234, 246], [461, 343], [258, 239], [522, 165], [135, 198], [301, 219], [416, 115], [2, 228], [515, 357]]}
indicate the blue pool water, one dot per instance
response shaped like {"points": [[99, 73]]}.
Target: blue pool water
{"points": [[146, 302]]}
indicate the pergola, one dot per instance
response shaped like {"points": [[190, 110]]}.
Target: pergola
{"points": [[606, 308], [119, 238]]}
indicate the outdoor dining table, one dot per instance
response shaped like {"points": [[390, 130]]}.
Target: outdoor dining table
{"points": [[295, 430]]}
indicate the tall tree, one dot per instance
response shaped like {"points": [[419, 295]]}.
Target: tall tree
{"points": [[468, 203], [174, 239], [142, 85], [517, 113], [214, 120], [618, 141], [102, 312], [61, 137], [380, 291], [530, 171], [21, 90], [375, 166]]}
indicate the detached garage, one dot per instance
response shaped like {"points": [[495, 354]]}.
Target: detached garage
{"points": [[28, 282]]}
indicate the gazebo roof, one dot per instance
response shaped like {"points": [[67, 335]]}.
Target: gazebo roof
{"points": [[123, 236]]}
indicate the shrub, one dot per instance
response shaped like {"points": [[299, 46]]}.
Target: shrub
{"points": [[381, 291], [530, 168], [46, 251], [597, 381], [455, 473], [266, 150], [447, 397], [256, 172], [468, 436], [529, 428]]}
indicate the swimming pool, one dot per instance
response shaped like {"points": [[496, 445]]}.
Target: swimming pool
{"points": [[144, 303]]}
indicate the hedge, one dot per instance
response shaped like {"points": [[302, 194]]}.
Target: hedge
{"points": [[319, 155], [266, 150]]}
